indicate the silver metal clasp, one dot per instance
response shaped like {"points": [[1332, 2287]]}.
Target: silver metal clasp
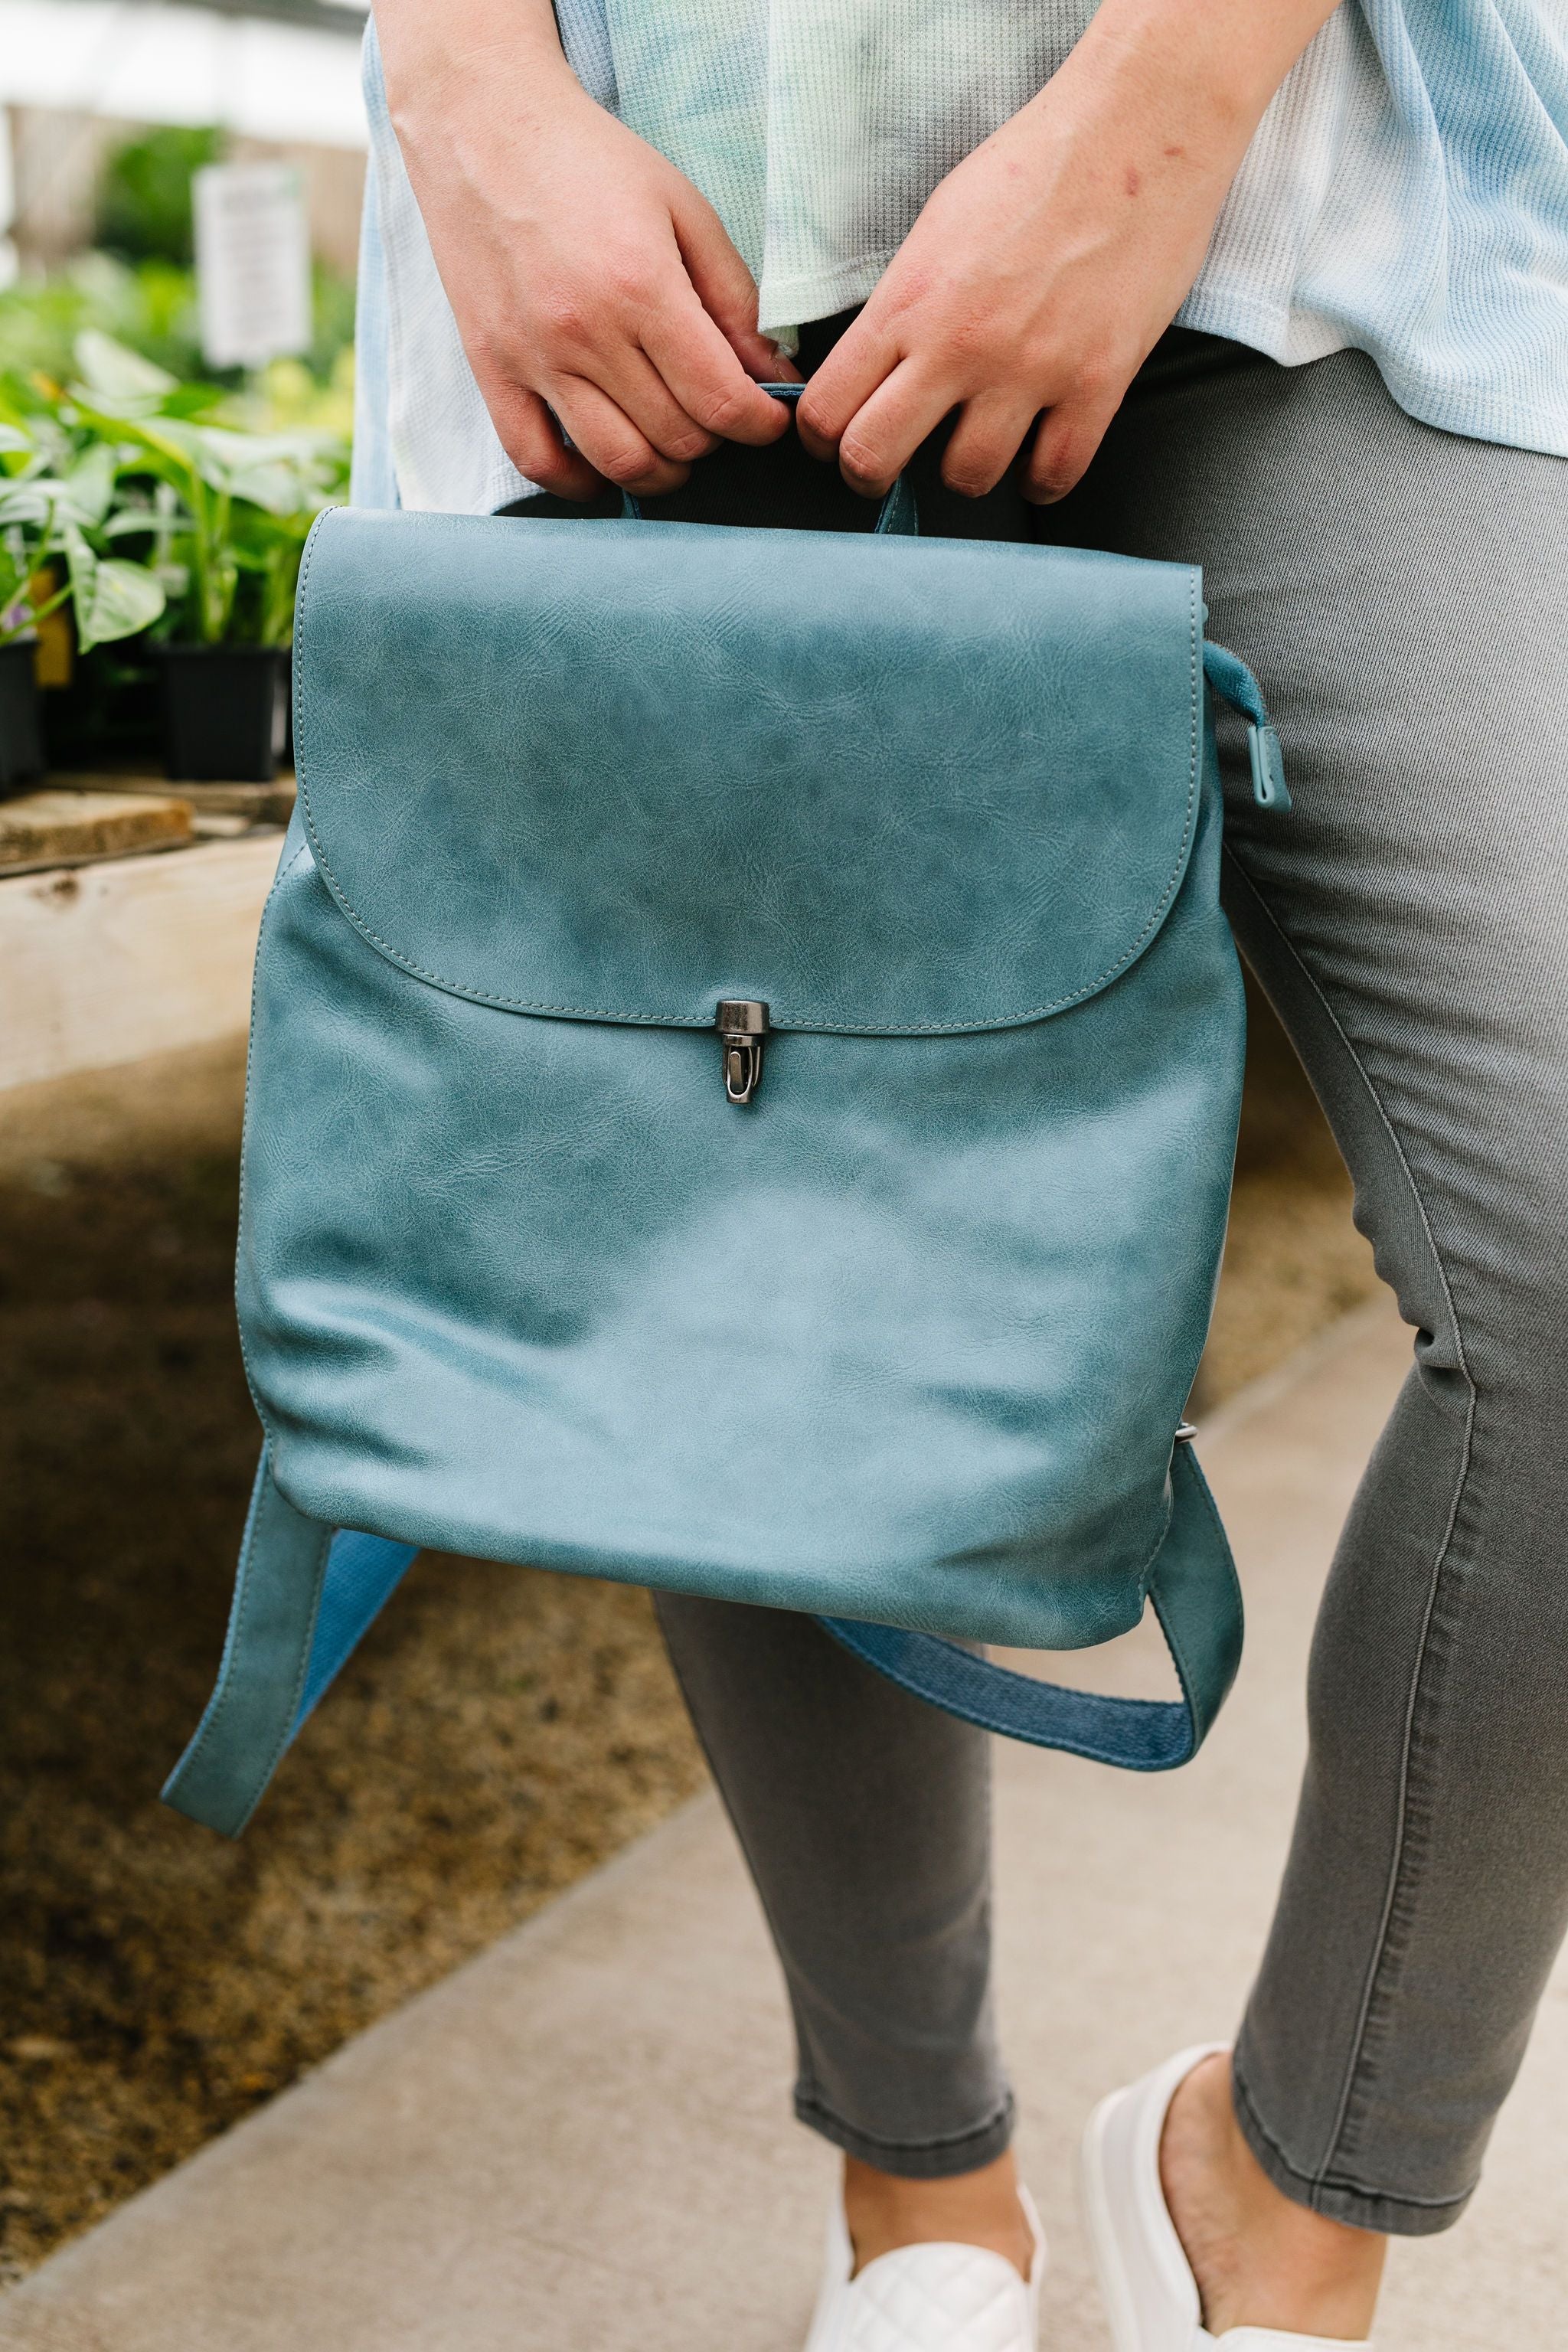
{"points": [[1186, 1432], [741, 1025]]}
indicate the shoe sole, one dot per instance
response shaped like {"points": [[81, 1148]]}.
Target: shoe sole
{"points": [[1104, 2242]]}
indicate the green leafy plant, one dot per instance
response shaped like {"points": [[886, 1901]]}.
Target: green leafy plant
{"points": [[151, 307], [225, 512], [145, 194], [57, 503]]}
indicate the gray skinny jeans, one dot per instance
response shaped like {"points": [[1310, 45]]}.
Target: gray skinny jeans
{"points": [[1400, 592]]}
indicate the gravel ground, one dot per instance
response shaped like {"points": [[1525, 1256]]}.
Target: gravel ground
{"points": [[500, 1732]]}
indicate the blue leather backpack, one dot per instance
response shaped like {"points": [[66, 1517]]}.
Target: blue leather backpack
{"points": [[743, 1084]]}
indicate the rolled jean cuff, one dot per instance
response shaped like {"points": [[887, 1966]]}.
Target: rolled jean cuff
{"points": [[925, 2159], [1337, 2199]]}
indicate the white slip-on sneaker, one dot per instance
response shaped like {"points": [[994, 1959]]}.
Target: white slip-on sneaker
{"points": [[1151, 2295], [930, 2298]]}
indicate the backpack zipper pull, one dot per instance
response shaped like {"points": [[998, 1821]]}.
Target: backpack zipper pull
{"points": [[741, 1026]]}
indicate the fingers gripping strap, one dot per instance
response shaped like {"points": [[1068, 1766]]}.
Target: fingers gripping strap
{"points": [[1198, 1603], [896, 517], [304, 1597]]}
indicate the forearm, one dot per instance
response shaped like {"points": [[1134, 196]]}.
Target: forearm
{"points": [[1179, 87], [489, 53]]}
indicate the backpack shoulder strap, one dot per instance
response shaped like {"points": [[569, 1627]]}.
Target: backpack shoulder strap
{"points": [[305, 1594], [1197, 1600]]}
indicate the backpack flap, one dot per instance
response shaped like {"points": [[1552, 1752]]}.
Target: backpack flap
{"points": [[891, 786]]}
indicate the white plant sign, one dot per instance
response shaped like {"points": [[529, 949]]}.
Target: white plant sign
{"points": [[253, 263]]}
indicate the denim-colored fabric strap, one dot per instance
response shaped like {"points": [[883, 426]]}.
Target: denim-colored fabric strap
{"points": [[1197, 1600], [307, 1593], [304, 1595]]}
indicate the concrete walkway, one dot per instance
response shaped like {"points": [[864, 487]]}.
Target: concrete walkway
{"points": [[580, 2141]]}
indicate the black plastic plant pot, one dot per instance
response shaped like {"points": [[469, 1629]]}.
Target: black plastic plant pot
{"points": [[21, 723], [222, 713]]}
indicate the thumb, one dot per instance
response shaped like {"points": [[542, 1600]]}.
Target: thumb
{"points": [[725, 287]]}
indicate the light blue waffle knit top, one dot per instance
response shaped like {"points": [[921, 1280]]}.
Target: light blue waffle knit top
{"points": [[1407, 194]]}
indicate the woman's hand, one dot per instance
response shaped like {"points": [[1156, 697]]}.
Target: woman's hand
{"points": [[1044, 267], [587, 275]]}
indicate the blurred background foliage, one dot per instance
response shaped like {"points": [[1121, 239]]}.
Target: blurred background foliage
{"points": [[137, 285], [144, 195], [134, 290]]}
